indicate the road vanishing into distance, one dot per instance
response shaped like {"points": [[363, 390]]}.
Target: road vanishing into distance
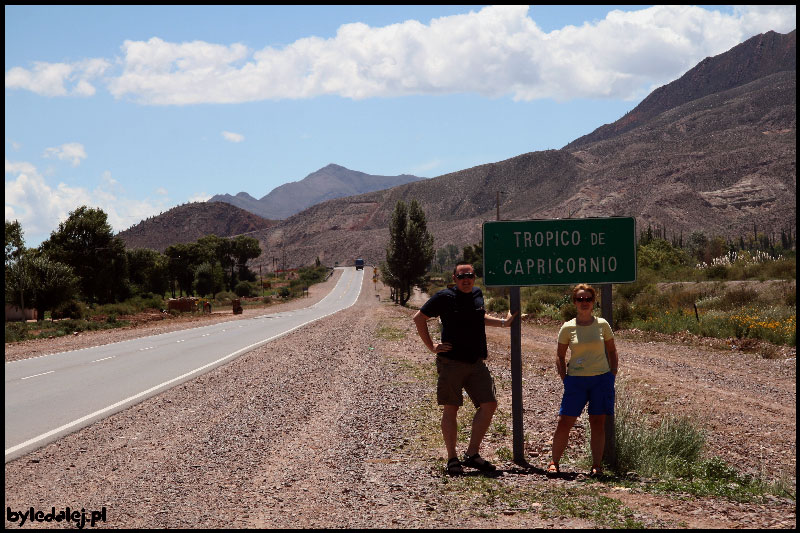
{"points": [[50, 396]]}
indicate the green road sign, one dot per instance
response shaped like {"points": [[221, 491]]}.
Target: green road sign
{"points": [[559, 252]]}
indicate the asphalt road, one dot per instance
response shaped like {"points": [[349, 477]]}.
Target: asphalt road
{"points": [[50, 396]]}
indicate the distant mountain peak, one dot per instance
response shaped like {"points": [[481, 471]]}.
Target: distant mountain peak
{"points": [[329, 182]]}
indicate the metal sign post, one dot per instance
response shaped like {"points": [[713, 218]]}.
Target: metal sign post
{"points": [[518, 254]]}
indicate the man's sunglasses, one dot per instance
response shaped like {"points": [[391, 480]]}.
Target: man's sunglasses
{"points": [[584, 298], [469, 275]]}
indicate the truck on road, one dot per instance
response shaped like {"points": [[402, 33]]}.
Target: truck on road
{"points": [[359, 264]]}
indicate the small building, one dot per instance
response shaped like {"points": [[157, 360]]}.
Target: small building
{"points": [[15, 314], [184, 305]]}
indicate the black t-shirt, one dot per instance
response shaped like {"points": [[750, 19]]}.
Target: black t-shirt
{"points": [[462, 322]]}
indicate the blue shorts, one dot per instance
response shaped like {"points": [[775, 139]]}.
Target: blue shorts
{"points": [[597, 391]]}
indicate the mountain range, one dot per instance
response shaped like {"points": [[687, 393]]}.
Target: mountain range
{"points": [[713, 151], [327, 183]]}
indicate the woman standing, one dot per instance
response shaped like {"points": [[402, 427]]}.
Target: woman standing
{"points": [[588, 378]]}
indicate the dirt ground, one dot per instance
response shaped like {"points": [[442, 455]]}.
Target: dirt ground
{"points": [[335, 425]]}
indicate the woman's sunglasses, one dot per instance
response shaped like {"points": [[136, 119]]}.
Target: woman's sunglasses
{"points": [[584, 298], [469, 275]]}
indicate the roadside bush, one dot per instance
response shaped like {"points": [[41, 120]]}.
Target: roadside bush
{"points": [[498, 305], [651, 451], [645, 283], [623, 314], [655, 299], [717, 272], [224, 297], [645, 311], [738, 297], [16, 331], [74, 309], [790, 298], [533, 307], [680, 297], [243, 289], [568, 311], [781, 269], [550, 295], [120, 308], [156, 302]]}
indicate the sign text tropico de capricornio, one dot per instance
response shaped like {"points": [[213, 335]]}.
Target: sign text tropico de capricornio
{"points": [[559, 252]]}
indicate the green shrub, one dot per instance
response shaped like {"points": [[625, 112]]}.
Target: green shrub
{"points": [[652, 451], [717, 272], [74, 309], [153, 302], [568, 311], [550, 295], [16, 331], [739, 297], [781, 269], [498, 305], [243, 289], [533, 307], [224, 297], [790, 298], [623, 314]]}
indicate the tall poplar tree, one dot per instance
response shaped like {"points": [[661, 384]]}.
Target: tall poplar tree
{"points": [[410, 250]]}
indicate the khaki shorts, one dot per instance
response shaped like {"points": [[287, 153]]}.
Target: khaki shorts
{"points": [[455, 376]]}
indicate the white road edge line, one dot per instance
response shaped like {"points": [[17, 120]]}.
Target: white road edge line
{"points": [[37, 375], [130, 399]]}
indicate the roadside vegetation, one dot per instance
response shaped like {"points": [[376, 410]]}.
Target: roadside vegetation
{"points": [[681, 287], [83, 278]]}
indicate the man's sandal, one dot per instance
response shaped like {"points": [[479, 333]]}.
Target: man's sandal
{"points": [[553, 469], [454, 467], [476, 461]]}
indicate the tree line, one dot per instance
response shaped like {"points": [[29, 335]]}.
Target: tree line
{"points": [[83, 260]]}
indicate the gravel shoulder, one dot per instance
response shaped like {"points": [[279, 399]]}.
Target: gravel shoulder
{"points": [[335, 425]]}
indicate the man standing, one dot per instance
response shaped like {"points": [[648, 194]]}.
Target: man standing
{"points": [[460, 362]]}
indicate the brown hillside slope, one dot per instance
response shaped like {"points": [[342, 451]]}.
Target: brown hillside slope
{"points": [[189, 222]]}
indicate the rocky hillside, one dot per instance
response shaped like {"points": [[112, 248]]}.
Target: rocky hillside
{"points": [[332, 181], [189, 222], [717, 158], [756, 58]]}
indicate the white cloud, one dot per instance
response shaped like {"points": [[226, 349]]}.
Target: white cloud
{"points": [[40, 206], [72, 152], [497, 51], [51, 79], [233, 137]]}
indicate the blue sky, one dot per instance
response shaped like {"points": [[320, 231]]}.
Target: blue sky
{"points": [[139, 109]]}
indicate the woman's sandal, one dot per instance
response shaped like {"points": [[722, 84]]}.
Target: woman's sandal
{"points": [[454, 467], [553, 469], [595, 472]]}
